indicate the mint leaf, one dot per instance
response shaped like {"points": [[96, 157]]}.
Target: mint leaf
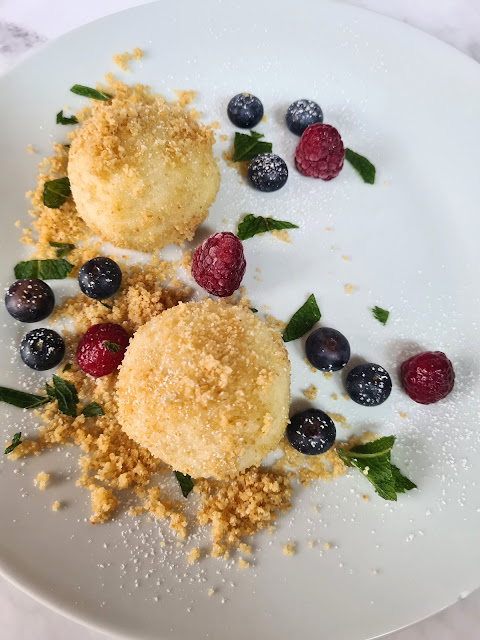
{"points": [[67, 367], [16, 440], [185, 482], [302, 320], [63, 248], [373, 460], [253, 310], [56, 192], [363, 166], [252, 225], [104, 304], [93, 409], [380, 314], [113, 347], [43, 269], [67, 396], [61, 119], [246, 147], [402, 483], [50, 391], [21, 399], [88, 92]]}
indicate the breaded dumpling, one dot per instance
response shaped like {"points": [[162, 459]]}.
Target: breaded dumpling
{"points": [[205, 386], [142, 172]]}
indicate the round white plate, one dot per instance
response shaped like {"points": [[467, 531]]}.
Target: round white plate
{"points": [[410, 104]]}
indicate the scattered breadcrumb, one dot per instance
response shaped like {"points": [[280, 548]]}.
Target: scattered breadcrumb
{"points": [[122, 59], [210, 592], [281, 234], [56, 506], [223, 137], [310, 366], [326, 546], [328, 228], [184, 98], [349, 288], [341, 420], [41, 480], [345, 396], [243, 564], [334, 396], [103, 503], [327, 374], [214, 125], [310, 544], [193, 555], [315, 508], [264, 118], [402, 415], [30, 148], [289, 549], [311, 392], [272, 322], [374, 572], [365, 498], [346, 258]]}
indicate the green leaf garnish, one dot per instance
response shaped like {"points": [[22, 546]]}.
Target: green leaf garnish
{"points": [[67, 396], [67, 367], [252, 225], [113, 347], [373, 460], [302, 320], [106, 305], [246, 147], [61, 119], [93, 409], [88, 92], [21, 399], [380, 314], [253, 310], [63, 248], [16, 440], [50, 391], [185, 482], [364, 167], [56, 192], [43, 269]]}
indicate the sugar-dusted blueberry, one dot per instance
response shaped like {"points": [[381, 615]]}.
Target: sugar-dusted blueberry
{"points": [[369, 384], [301, 114], [267, 172], [29, 300], [311, 432], [100, 278], [327, 349], [245, 111], [42, 349]]}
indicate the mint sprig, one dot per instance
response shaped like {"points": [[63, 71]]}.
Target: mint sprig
{"points": [[43, 269], [363, 166], [93, 409], [66, 395], [302, 320], [56, 192], [185, 481], [252, 225], [21, 399], [246, 147], [63, 248], [380, 314], [16, 440], [113, 347], [88, 92], [373, 460], [61, 119]]}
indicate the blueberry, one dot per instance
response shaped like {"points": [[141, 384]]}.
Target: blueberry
{"points": [[267, 172], [311, 432], [369, 384], [327, 349], [29, 300], [245, 111], [42, 349], [100, 278], [301, 114]]}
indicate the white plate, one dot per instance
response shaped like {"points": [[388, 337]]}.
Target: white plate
{"points": [[411, 105]]}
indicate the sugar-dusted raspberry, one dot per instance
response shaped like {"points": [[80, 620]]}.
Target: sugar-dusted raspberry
{"points": [[320, 152], [101, 349], [218, 264], [428, 377]]}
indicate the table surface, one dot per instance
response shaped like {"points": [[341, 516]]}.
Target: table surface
{"points": [[27, 23]]}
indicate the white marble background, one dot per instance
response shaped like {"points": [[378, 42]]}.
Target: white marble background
{"points": [[27, 23]]}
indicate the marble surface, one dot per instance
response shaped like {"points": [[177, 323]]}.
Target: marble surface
{"points": [[27, 23]]}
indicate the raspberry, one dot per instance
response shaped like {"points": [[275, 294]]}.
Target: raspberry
{"points": [[320, 152], [101, 349], [218, 264], [428, 377]]}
